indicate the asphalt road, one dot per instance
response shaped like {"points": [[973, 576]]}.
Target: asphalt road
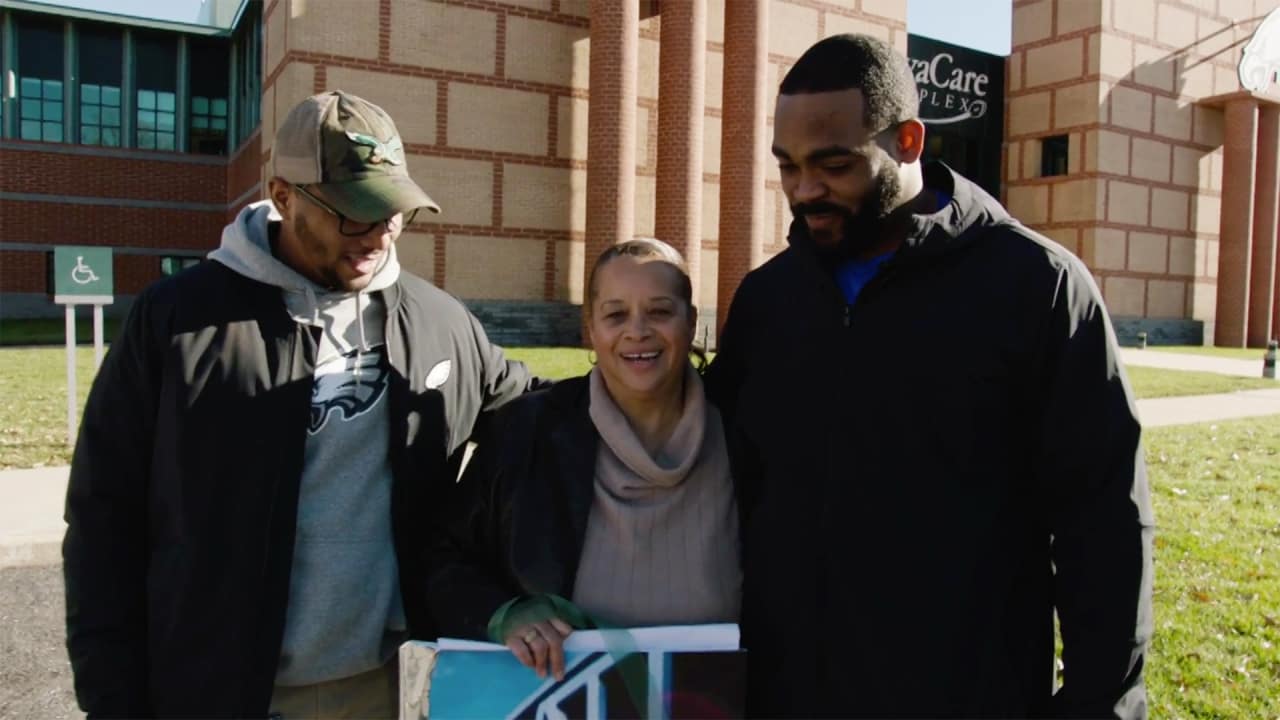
{"points": [[35, 676]]}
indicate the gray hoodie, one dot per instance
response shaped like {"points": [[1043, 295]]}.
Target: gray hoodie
{"points": [[345, 613]]}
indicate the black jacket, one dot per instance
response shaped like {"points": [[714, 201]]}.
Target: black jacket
{"points": [[928, 473], [517, 520], [184, 486]]}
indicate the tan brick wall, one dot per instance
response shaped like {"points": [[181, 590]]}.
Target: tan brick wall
{"points": [[1104, 248], [485, 118], [1166, 299], [1155, 153], [570, 271], [489, 268], [443, 37], [792, 28], [547, 52], [1125, 295], [417, 253], [1148, 252], [335, 27], [1055, 63], [1075, 201], [546, 198], [463, 188]]}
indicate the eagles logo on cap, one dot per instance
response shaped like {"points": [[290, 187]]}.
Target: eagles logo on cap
{"points": [[352, 149]]}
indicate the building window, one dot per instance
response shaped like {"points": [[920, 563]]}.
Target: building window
{"points": [[1053, 155], [172, 265], [157, 60], [249, 82], [101, 51], [40, 91], [209, 107]]}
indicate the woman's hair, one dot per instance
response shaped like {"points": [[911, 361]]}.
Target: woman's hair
{"points": [[648, 250]]}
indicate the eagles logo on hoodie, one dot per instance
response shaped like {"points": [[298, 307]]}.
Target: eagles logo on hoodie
{"points": [[349, 386]]}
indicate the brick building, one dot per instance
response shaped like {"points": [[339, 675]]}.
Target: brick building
{"points": [[547, 129]]}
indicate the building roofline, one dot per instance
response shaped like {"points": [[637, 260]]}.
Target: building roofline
{"points": [[45, 8]]}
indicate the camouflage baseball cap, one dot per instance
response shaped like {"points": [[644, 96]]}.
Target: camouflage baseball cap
{"points": [[351, 148]]}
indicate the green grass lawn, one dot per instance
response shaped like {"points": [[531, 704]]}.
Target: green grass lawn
{"points": [[1156, 382], [1216, 490], [556, 363], [53, 331], [1222, 352]]}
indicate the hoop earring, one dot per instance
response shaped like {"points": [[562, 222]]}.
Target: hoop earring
{"points": [[591, 357]]}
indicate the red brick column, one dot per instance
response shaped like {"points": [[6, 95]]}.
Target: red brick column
{"points": [[742, 155], [1235, 236], [682, 71], [1266, 218], [611, 125]]}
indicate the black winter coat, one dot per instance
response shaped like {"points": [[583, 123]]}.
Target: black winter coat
{"points": [[928, 474], [183, 495]]}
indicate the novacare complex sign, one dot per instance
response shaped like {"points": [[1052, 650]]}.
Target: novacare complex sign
{"points": [[944, 85], [959, 87]]}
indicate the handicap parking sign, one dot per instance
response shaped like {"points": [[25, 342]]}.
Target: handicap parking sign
{"points": [[82, 275]]}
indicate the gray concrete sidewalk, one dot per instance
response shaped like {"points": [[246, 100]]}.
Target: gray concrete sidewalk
{"points": [[1200, 363], [1158, 412], [31, 525]]}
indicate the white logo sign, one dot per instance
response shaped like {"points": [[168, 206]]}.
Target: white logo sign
{"points": [[947, 87], [1261, 60], [82, 274]]}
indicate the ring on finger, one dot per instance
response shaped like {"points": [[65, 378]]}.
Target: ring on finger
{"points": [[530, 636]]}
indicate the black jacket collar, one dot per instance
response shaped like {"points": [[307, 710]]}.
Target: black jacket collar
{"points": [[971, 209]]}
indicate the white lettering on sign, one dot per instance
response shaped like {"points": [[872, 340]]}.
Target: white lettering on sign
{"points": [[943, 85], [1260, 62]]}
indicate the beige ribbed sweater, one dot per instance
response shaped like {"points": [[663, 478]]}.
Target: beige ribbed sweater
{"points": [[661, 544]]}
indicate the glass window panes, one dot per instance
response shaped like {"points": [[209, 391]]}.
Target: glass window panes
{"points": [[146, 100], [165, 102], [1053, 155], [210, 89], [41, 110], [40, 71], [101, 53], [97, 114]]}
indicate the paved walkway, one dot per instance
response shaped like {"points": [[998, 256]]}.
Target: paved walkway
{"points": [[31, 525], [31, 501], [1201, 363]]}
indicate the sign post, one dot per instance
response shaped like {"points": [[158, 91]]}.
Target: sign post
{"points": [[81, 276]]}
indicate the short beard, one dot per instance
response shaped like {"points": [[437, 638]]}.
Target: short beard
{"points": [[309, 243], [862, 230]]}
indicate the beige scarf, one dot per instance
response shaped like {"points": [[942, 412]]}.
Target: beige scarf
{"points": [[661, 544]]}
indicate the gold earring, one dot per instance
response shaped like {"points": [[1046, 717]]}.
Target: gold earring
{"points": [[591, 357]]}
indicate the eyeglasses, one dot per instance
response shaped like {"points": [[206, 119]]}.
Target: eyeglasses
{"points": [[355, 228]]}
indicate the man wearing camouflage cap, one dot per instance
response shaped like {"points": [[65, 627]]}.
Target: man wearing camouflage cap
{"points": [[258, 452]]}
